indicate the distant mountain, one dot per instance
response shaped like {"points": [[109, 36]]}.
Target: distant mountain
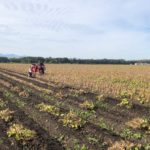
{"points": [[9, 55]]}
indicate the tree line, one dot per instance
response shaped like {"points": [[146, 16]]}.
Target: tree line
{"points": [[51, 60]]}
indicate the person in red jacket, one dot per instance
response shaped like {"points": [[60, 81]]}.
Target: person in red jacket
{"points": [[33, 70]]}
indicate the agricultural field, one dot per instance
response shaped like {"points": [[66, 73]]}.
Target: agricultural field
{"points": [[75, 107]]}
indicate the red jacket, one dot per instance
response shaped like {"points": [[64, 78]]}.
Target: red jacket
{"points": [[34, 68]]}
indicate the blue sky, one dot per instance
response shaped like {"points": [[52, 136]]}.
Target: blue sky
{"points": [[76, 28]]}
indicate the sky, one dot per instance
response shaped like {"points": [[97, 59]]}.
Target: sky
{"points": [[117, 29]]}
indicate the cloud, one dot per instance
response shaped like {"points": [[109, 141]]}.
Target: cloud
{"points": [[96, 28]]}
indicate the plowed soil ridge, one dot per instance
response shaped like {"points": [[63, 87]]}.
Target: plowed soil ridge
{"points": [[49, 127]]}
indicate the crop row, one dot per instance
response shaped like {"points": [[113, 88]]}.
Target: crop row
{"points": [[69, 118]]}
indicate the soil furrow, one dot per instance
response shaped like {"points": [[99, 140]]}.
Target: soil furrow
{"points": [[88, 128], [42, 142], [51, 124], [124, 116]]}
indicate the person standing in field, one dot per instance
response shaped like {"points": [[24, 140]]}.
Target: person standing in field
{"points": [[41, 68], [30, 71], [33, 70]]}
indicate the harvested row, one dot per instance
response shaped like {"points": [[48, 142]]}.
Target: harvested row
{"points": [[5, 143], [124, 115], [90, 127], [65, 88], [101, 111], [41, 140], [111, 80], [49, 125], [51, 86], [37, 82]]}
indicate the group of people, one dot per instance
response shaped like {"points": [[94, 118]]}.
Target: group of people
{"points": [[36, 68]]}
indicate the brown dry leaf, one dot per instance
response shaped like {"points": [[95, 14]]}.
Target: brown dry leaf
{"points": [[135, 123], [16, 89], [121, 145], [24, 94]]}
